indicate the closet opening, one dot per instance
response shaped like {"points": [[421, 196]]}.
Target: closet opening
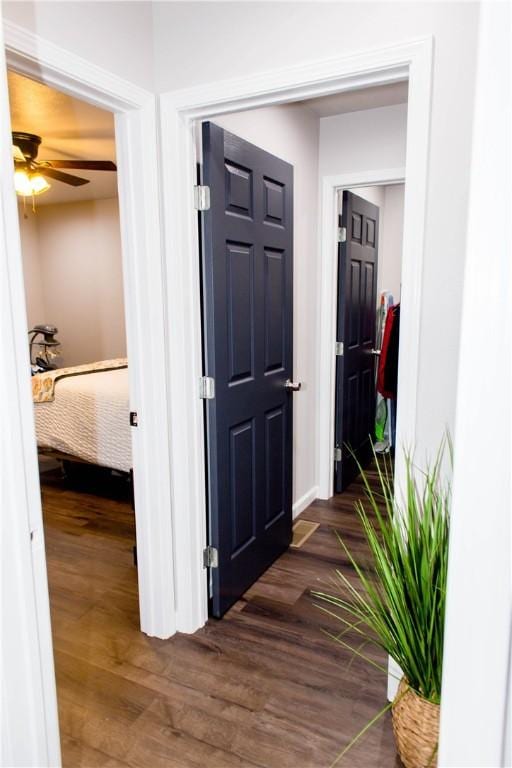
{"points": [[369, 236]]}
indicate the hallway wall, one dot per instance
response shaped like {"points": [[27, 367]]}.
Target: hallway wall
{"points": [[103, 32], [239, 40], [367, 140]]}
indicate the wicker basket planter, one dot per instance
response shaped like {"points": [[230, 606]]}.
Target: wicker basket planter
{"points": [[416, 728]]}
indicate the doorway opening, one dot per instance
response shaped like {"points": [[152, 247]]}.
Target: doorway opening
{"points": [[134, 117], [74, 292], [262, 169], [411, 62], [369, 237]]}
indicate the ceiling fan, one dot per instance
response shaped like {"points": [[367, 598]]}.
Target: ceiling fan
{"points": [[29, 176]]}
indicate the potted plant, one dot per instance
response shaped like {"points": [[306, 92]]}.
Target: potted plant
{"points": [[398, 601]]}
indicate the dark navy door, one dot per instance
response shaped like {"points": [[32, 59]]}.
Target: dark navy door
{"points": [[356, 329], [247, 286]]}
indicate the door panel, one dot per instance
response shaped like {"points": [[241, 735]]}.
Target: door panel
{"points": [[242, 489], [357, 302], [275, 475], [274, 309], [240, 306], [247, 285]]}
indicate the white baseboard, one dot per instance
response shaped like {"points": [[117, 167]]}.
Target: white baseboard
{"points": [[301, 504]]}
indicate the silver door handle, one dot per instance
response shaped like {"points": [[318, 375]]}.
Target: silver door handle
{"points": [[292, 386], [375, 352]]}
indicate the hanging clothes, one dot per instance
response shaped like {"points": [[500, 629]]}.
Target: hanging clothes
{"points": [[382, 432], [387, 375]]}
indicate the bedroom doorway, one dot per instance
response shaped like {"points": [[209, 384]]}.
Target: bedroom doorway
{"points": [[135, 120], [31, 681], [134, 116], [64, 153]]}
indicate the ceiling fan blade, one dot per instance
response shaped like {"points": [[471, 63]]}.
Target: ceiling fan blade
{"points": [[67, 178], [84, 165], [17, 153]]}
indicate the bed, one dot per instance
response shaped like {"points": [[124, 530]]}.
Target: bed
{"points": [[87, 418]]}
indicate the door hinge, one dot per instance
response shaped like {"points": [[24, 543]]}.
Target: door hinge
{"points": [[337, 454], [206, 388], [210, 557], [342, 234], [339, 349], [201, 198], [134, 419]]}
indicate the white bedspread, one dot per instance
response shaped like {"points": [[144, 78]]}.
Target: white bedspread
{"points": [[89, 418]]}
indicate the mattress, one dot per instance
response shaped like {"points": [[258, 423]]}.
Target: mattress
{"points": [[89, 418]]}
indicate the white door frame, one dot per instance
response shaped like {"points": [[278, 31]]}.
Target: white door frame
{"points": [[29, 726], [138, 185], [179, 110], [30, 731], [326, 384]]}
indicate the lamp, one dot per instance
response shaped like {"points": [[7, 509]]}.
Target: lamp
{"points": [[28, 184], [48, 347]]}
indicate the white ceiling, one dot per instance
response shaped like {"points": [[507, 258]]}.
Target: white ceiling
{"points": [[363, 98], [70, 129]]}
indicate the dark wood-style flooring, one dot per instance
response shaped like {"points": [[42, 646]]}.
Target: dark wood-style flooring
{"points": [[262, 687]]}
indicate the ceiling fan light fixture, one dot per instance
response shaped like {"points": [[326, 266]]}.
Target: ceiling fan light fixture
{"points": [[39, 184], [22, 184], [29, 184]]}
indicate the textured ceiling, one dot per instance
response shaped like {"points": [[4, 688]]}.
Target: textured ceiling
{"points": [[70, 129]]}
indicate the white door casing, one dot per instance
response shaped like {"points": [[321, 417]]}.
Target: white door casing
{"points": [[179, 111], [138, 186], [30, 733]]}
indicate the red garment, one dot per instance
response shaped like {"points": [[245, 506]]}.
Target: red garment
{"points": [[387, 374]]}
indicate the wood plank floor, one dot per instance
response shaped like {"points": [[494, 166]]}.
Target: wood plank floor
{"points": [[263, 687]]}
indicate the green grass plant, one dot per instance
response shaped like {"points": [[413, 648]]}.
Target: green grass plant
{"points": [[398, 600]]}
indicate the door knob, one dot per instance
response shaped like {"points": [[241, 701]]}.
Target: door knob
{"points": [[375, 352], [292, 386]]}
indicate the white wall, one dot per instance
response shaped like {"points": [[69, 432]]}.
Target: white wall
{"points": [[392, 237], [72, 265], [36, 311], [117, 36], [375, 195], [241, 39], [475, 729], [390, 200], [292, 133], [367, 140]]}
